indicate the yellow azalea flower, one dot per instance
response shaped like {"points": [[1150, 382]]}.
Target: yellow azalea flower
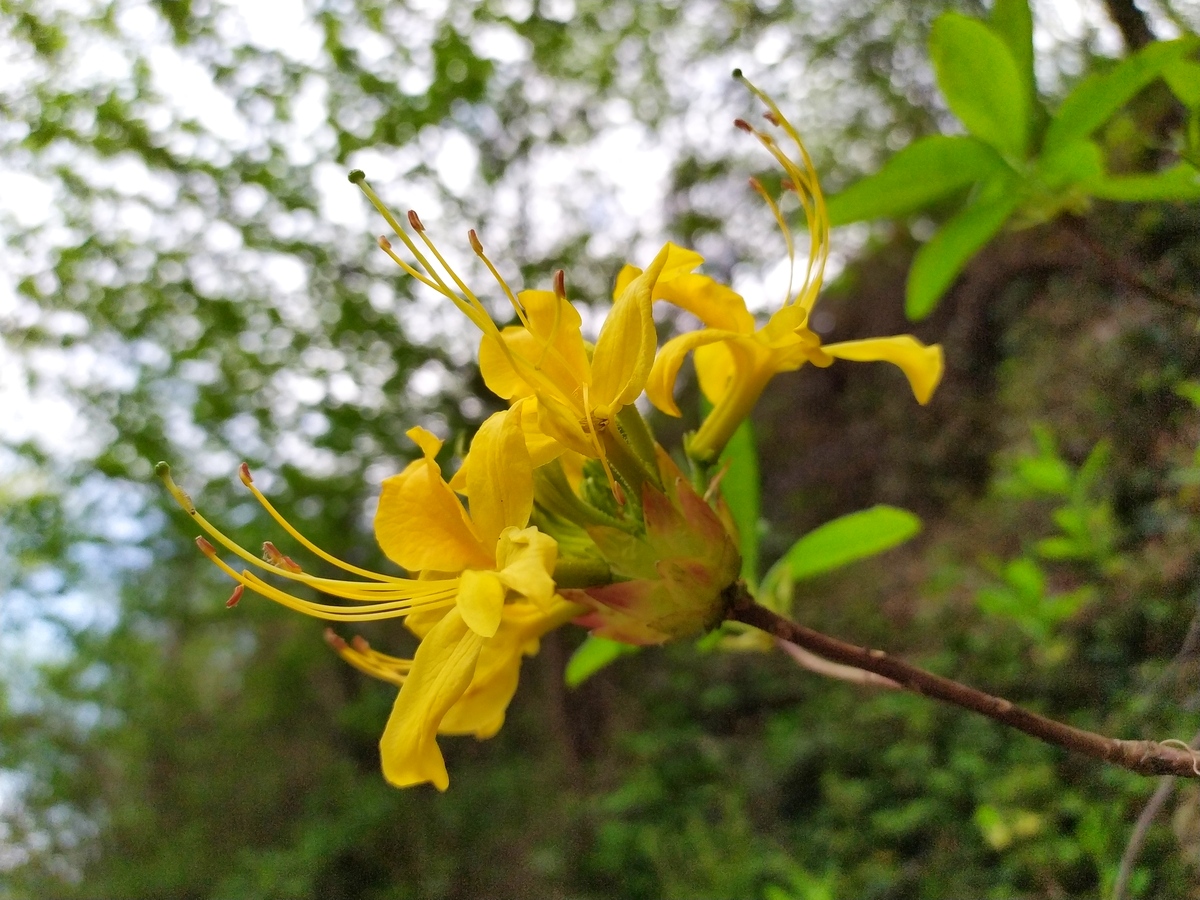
{"points": [[734, 359], [476, 565], [575, 392]]}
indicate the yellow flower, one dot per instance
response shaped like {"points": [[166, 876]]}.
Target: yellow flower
{"points": [[485, 595], [574, 391], [734, 359]]}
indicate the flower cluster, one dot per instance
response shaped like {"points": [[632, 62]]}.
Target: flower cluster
{"points": [[565, 508]]}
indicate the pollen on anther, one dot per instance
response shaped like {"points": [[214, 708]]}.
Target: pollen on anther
{"points": [[560, 284], [743, 125], [334, 640], [415, 221], [771, 117], [384, 243], [235, 597], [244, 474]]}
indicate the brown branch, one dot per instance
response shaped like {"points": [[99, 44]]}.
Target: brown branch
{"points": [[1143, 757], [1142, 828], [1132, 23]]}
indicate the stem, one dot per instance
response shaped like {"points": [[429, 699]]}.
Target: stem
{"points": [[1124, 272], [1143, 757]]}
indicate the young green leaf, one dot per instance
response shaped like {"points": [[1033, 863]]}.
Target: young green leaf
{"points": [[1098, 97], [925, 170], [845, 540], [982, 84], [591, 656], [1183, 77], [1013, 22], [1076, 162], [740, 488], [938, 263], [1180, 182]]}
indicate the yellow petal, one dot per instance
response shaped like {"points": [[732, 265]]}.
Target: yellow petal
{"points": [[562, 424], [660, 387], [542, 447], [624, 277], [558, 348], [480, 601], [525, 559], [921, 364], [715, 370], [625, 348], [713, 303], [480, 710], [497, 369], [442, 670], [420, 524], [499, 476]]}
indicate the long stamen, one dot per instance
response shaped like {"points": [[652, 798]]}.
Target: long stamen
{"points": [[787, 235], [477, 246], [388, 609], [807, 186], [361, 656], [248, 480]]}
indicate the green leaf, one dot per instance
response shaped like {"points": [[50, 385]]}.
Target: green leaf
{"points": [[981, 81], [1013, 22], [1098, 96], [1183, 77], [922, 172], [846, 540], [593, 655], [938, 263], [740, 488], [1180, 182], [1076, 162]]}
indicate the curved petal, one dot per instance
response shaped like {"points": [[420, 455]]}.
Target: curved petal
{"points": [[660, 387], [713, 303], [562, 424], [480, 710], [921, 364], [499, 476], [525, 559], [497, 369], [716, 368], [480, 601], [625, 348], [420, 524], [680, 261], [442, 670]]}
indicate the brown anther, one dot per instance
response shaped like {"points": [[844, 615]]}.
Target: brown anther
{"points": [[744, 125], [205, 547], [244, 474], [771, 117], [474, 239], [384, 243], [334, 640], [235, 597], [415, 221], [272, 555], [359, 643], [787, 185], [560, 284], [619, 494]]}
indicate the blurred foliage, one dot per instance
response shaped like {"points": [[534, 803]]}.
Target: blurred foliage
{"points": [[186, 280]]}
